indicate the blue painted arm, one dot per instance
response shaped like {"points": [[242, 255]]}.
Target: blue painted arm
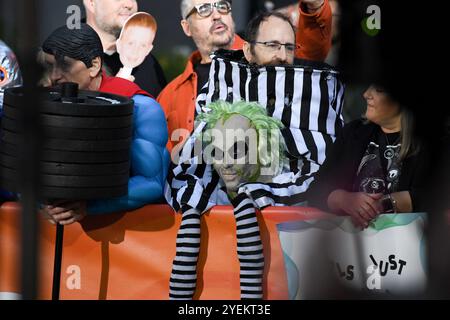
{"points": [[149, 160]]}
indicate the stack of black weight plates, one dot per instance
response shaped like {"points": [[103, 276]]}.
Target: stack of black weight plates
{"points": [[86, 145]]}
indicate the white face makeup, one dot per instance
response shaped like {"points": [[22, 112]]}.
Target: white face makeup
{"points": [[231, 157]]}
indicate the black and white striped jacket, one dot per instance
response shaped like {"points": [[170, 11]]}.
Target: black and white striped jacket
{"points": [[307, 98]]}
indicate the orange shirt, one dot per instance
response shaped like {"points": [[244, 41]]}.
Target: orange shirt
{"points": [[178, 101], [314, 33], [178, 98]]}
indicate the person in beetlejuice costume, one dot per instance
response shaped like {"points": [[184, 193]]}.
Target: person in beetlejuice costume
{"points": [[243, 144]]}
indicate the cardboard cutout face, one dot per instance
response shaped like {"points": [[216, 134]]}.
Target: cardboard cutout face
{"points": [[136, 39], [231, 158]]}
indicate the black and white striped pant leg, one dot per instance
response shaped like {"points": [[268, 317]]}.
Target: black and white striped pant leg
{"points": [[183, 279], [249, 248]]}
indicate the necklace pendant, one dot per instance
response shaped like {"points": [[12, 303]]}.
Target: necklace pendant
{"points": [[389, 153]]}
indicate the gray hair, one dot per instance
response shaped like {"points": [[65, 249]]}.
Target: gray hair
{"points": [[186, 6]]}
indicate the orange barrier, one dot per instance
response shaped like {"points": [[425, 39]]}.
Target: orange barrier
{"points": [[129, 256]]}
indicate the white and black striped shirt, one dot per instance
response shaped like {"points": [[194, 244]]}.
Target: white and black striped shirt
{"points": [[308, 99]]}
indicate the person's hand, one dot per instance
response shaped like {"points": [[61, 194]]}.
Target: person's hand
{"points": [[65, 212], [313, 5], [362, 207]]}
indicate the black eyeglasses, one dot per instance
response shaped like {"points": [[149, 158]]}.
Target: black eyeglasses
{"points": [[204, 10], [275, 46]]}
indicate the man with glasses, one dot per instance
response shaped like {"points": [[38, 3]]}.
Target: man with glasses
{"points": [[270, 40], [210, 24]]}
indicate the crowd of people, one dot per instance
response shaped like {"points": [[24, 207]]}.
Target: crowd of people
{"points": [[277, 73]]}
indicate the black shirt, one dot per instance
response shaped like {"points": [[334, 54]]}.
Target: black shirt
{"points": [[202, 71], [380, 167], [149, 75], [344, 158]]}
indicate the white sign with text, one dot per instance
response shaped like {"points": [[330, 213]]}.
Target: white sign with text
{"points": [[387, 259]]}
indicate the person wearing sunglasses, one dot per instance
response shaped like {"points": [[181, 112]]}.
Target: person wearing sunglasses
{"points": [[210, 24]]}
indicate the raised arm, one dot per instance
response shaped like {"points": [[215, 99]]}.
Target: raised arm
{"points": [[314, 30]]}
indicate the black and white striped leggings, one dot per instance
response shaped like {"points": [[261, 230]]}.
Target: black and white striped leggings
{"points": [[249, 248]]}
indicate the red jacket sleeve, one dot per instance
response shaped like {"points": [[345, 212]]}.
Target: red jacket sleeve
{"points": [[314, 33]]}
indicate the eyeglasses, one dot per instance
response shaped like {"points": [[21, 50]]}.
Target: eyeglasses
{"points": [[204, 10], [275, 46]]}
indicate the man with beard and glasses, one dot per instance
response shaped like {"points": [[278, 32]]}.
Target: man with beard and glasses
{"points": [[270, 40], [210, 24], [107, 18]]}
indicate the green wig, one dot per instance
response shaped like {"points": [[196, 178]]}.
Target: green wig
{"points": [[267, 129]]}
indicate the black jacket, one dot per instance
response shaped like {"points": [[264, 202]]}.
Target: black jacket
{"points": [[341, 165]]}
